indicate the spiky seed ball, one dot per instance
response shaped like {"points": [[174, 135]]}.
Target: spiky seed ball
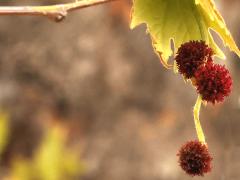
{"points": [[194, 158], [191, 55], [213, 82]]}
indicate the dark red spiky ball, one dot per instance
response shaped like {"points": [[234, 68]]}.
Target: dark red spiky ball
{"points": [[194, 158], [191, 55], [213, 82]]}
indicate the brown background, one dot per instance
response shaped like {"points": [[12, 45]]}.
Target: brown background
{"points": [[128, 114]]}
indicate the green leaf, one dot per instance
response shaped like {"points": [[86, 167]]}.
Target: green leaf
{"points": [[180, 21]]}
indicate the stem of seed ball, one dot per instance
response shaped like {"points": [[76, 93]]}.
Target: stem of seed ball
{"points": [[196, 112]]}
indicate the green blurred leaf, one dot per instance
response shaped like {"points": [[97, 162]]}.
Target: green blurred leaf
{"points": [[53, 160], [4, 130]]}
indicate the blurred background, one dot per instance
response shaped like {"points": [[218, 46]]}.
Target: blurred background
{"points": [[87, 99]]}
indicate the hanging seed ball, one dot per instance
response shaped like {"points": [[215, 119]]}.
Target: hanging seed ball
{"points": [[213, 82], [191, 55], [194, 158]]}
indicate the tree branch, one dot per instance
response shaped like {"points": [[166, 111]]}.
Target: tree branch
{"points": [[55, 12]]}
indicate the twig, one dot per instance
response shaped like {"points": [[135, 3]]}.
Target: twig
{"points": [[55, 12]]}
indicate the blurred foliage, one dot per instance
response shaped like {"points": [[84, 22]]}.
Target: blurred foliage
{"points": [[52, 160], [4, 130]]}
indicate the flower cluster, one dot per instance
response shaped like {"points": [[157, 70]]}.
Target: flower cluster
{"points": [[194, 158], [195, 61], [213, 82]]}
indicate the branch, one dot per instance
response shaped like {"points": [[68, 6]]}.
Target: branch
{"points": [[55, 12]]}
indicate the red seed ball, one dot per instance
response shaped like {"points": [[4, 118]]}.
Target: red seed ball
{"points": [[191, 55], [194, 158], [213, 82]]}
